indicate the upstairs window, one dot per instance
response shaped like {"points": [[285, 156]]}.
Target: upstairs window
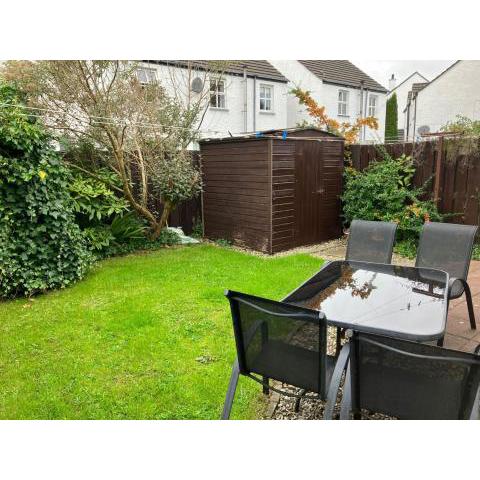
{"points": [[217, 94], [372, 105], [343, 102], [266, 96], [146, 75]]}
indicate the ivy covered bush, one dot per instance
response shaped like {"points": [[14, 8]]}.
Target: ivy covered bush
{"points": [[41, 246], [384, 192]]}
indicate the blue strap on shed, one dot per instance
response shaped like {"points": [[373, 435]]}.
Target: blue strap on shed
{"points": [[284, 135], [258, 134]]}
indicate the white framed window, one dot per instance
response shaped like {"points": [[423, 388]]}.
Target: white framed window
{"points": [[372, 105], [343, 103], [266, 98], [217, 93], [146, 75]]}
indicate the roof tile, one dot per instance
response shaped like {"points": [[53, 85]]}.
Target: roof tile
{"points": [[341, 72], [257, 68]]}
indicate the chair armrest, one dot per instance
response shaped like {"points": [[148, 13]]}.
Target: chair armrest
{"points": [[340, 366], [451, 282]]}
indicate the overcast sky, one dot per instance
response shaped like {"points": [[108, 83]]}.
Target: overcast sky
{"points": [[381, 70]]}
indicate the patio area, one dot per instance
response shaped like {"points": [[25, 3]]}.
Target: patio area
{"points": [[459, 335]]}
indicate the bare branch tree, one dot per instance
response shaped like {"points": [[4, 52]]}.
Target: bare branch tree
{"points": [[146, 129]]}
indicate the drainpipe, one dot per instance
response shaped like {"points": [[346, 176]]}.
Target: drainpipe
{"points": [[362, 83], [366, 111], [245, 117], [414, 119], [407, 126], [254, 110]]}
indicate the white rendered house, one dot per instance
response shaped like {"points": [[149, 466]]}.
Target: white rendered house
{"points": [[254, 95], [401, 90], [456, 91], [247, 96], [346, 92]]}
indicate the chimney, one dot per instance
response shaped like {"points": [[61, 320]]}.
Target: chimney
{"points": [[392, 83]]}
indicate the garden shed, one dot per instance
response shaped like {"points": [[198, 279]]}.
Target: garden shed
{"points": [[273, 190]]}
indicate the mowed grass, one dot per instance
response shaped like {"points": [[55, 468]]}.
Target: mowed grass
{"points": [[145, 336]]}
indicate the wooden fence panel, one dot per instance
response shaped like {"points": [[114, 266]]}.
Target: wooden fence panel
{"points": [[458, 180]]}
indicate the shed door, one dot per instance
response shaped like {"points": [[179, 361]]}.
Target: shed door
{"points": [[318, 186]]}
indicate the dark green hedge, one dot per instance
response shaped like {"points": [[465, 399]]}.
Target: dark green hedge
{"points": [[41, 247]]}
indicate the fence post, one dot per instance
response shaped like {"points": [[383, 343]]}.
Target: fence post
{"points": [[438, 166]]}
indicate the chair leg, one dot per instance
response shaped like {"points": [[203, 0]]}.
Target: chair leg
{"points": [[298, 400], [338, 345], [232, 387], [266, 390], [471, 313]]}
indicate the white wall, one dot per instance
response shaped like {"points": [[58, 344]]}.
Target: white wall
{"points": [[218, 122], [330, 100], [327, 95], [455, 92], [402, 95], [298, 76]]}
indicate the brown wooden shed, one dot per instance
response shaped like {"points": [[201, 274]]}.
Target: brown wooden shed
{"points": [[271, 193]]}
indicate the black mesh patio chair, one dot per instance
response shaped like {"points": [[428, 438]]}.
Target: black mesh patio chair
{"points": [[278, 341], [448, 247], [371, 241], [406, 380]]}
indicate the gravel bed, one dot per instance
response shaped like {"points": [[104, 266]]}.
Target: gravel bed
{"points": [[282, 407], [331, 250]]}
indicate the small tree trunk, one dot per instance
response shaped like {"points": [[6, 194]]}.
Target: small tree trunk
{"points": [[167, 209]]}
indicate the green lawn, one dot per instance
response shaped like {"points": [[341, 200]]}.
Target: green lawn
{"points": [[145, 336]]}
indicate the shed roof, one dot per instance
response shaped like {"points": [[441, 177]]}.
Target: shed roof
{"points": [[293, 130], [341, 72], [291, 133], [255, 68]]}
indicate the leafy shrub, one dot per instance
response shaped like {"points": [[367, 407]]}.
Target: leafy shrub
{"points": [[463, 126], [41, 246], [197, 230], [93, 199], [166, 238], [383, 191], [222, 242], [476, 252], [103, 216], [98, 238], [128, 227], [406, 248]]}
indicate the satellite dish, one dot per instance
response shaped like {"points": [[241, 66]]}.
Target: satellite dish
{"points": [[197, 85], [424, 129]]}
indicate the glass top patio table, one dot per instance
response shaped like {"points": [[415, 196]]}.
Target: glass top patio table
{"points": [[403, 302]]}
